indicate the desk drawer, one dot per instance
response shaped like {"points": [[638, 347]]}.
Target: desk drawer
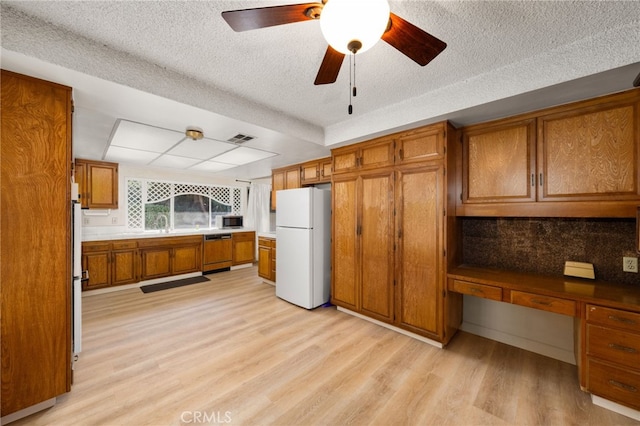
{"points": [[613, 318], [479, 290], [613, 383], [545, 303], [616, 346]]}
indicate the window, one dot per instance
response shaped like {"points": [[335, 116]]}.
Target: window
{"points": [[155, 204]]}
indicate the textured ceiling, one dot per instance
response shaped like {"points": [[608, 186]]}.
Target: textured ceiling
{"points": [[263, 79]]}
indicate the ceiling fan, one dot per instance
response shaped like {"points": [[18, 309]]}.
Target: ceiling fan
{"points": [[353, 17]]}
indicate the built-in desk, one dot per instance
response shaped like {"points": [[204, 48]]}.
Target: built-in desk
{"points": [[607, 332]]}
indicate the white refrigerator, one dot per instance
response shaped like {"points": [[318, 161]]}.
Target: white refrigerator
{"points": [[303, 238]]}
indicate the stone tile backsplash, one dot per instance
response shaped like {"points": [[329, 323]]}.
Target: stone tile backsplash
{"points": [[542, 245]]}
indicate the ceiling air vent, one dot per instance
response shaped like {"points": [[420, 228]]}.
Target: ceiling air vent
{"points": [[240, 138]]}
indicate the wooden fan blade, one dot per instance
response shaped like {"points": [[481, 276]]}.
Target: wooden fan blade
{"points": [[261, 17], [330, 67], [415, 43]]}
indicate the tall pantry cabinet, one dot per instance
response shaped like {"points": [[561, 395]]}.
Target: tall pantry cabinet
{"points": [[36, 242], [391, 221]]}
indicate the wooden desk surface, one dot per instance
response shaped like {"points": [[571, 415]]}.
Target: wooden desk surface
{"points": [[581, 290]]}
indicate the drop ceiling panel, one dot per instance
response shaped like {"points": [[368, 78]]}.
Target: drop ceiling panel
{"points": [[203, 149], [243, 155], [127, 155], [129, 134], [175, 162], [211, 166]]}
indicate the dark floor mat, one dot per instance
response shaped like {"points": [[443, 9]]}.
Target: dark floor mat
{"points": [[172, 284]]}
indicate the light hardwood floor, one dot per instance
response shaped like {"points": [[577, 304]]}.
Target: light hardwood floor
{"points": [[229, 351]]}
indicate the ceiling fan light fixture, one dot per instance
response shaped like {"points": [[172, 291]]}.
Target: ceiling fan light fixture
{"points": [[194, 133], [344, 22]]}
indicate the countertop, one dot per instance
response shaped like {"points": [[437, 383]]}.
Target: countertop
{"points": [[269, 234], [578, 289], [158, 234]]}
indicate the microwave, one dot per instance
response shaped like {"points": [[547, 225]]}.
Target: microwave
{"points": [[228, 222]]}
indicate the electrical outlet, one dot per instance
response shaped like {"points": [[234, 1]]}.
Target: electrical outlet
{"points": [[114, 220], [630, 264]]}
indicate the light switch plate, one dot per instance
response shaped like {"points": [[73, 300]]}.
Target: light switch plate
{"points": [[579, 269]]}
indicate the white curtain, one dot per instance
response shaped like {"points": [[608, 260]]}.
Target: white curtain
{"points": [[258, 216]]}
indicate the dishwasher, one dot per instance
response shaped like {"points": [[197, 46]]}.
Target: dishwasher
{"points": [[217, 252]]}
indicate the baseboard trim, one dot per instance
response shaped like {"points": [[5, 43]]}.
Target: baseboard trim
{"points": [[394, 328], [520, 342], [615, 407], [27, 411]]}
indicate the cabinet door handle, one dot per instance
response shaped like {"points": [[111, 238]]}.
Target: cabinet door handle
{"points": [[533, 180], [540, 179], [620, 319], [622, 348], [622, 385]]}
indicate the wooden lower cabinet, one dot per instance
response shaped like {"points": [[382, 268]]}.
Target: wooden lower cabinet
{"points": [[267, 258], [163, 257], [244, 247], [612, 351], [118, 262]]}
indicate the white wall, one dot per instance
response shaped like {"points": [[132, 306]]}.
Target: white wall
{"points": [[537, 331], [104, 222]]}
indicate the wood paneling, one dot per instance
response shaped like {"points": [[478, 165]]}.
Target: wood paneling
{"points": [[36, 241]]}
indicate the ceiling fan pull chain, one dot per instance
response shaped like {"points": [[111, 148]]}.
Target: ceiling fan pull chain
{"points": [[350, 106], [354, 75]]}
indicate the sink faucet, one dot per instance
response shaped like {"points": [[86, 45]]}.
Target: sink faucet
{"points": [[166, 222]]}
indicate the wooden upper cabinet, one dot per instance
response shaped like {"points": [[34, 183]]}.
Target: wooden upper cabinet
{"points": [[316, 171], [590, 153], [375, 154], [98, 184], [424, 144], [499, 162], [284, 178]]}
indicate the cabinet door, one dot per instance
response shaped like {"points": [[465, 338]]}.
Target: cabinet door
{"points": [[277, 184], [376, 154], [499, 163], [345, 264], [186, 259], [155, 263], [36, 241], [420, 218], [345, 159], [590, 154], [310, 173], [376, 234], [325, 170], [292, 178], [421, 145], [80, 177], [124, 267], [97, 266], [264, 262], [243, 247], [99, 180]]}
